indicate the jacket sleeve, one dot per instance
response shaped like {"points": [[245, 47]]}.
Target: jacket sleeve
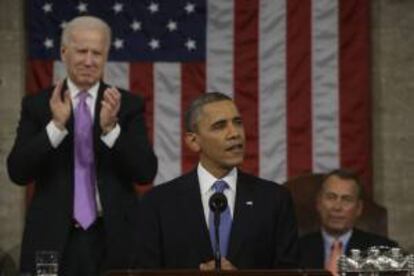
{"points": [[132, 152], [287, 246], [32, 146]]}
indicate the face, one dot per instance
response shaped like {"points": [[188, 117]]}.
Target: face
{"points": [[219, 137], [339, 205], [85, 56]]}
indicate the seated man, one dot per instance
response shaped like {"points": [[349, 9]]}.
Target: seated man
{"points": [[175, 230], [339, 204]]}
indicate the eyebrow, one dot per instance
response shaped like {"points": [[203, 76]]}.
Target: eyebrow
{"points": [[219, 121]]}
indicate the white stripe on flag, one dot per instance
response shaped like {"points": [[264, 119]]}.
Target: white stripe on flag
{"points": [[117, 74], [272, 90], [219, 52], [325, 85], [167, 123]]}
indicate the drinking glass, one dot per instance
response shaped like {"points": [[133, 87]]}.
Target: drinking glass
{"points": [[47, 263]]}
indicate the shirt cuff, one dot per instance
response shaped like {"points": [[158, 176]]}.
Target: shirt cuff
{"points": [[110, 138], [55, 135]]}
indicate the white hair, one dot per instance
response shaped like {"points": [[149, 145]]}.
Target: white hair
{"points": [[86, 22]]}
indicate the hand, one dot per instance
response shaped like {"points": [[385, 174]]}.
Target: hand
{"points": [[210, 265], [111, 103], [60, 108]]}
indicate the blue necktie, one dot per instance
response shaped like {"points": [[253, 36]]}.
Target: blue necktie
{"points": [[225, 221], [84, 194]]}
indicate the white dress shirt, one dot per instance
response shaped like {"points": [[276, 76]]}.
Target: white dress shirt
{"points": [[207, 180]]}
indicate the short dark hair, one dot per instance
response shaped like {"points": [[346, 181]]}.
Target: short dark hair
{"points": [[346, 174], [193, 112]]}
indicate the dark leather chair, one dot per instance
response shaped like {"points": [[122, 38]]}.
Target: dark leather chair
{"points": [[304, 190]]}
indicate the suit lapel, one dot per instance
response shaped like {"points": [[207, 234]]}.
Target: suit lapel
{"points": [[193, 214], [320, 251], [243, 211], [354, 241]]}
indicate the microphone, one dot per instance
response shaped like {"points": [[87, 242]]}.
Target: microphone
{"points": [[217, 203]]}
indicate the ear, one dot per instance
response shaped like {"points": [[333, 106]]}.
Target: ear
{"points": [[191, 141], [62, 53]]}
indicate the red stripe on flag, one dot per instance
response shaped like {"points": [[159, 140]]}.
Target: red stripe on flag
{"points": [[355, 95], [246, 44], [39, 75], [193, 84], [141, 82], [299, 124]]}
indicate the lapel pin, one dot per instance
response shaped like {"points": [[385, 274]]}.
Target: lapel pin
{"points": [[249, 203]]}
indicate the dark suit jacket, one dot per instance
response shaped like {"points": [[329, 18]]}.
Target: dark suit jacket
{"points": [[49, 216], [312, 253], [173, 231]]}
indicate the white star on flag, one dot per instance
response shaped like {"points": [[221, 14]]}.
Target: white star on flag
{"points": [[48, 43], [153, 7], [172, 26], [118, 43], [190, 44], [136, 26], [154, 44], [47, 7], [117, 7], [63, 24], [82, 7], [189, 8]]}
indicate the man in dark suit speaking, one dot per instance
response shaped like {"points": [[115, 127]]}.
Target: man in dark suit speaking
{"points": [[84, 145], [258, 227], [339, 204]]}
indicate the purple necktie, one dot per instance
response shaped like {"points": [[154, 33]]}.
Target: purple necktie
{"points": [[84, 197], [225, 221]]}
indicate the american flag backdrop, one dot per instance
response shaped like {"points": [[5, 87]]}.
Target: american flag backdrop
{"points": [[298, 70]]}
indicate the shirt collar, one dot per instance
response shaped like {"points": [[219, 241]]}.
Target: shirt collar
{"points": [[74, 90], [344, 238], [206, 179]]}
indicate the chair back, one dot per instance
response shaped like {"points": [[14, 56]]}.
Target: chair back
{"points": [[304, 191]]}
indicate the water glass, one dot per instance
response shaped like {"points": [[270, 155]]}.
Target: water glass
{"points": [[47, 263]]}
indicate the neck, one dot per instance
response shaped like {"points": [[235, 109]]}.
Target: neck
{"points": [[335, 234], [217, 172]]}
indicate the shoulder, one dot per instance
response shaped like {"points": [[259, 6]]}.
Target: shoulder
{"points": [[268, 195], [310, 239], [262, 185], [36, 106], [39, 97], [372, 239], [168, 190]]}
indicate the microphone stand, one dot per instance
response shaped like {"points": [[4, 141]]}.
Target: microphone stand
{"points": [[217, 203], [217, 254]]}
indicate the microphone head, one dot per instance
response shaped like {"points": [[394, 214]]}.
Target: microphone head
{"points": [[218, 202]]}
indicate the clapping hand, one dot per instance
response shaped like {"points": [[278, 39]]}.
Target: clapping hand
{"points": [[111, 103]]}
